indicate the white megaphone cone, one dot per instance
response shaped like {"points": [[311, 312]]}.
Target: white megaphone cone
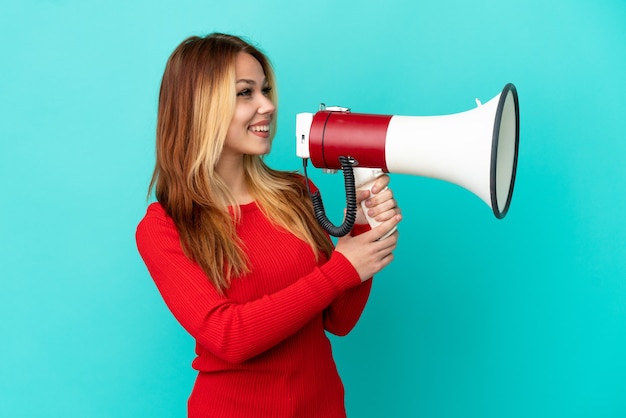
{"points": [[476, 149]]}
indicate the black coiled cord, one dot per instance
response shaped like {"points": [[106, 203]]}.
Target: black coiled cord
{"points": [[318, 206]]}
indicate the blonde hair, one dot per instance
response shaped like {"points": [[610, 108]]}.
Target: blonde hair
{"points": [[196, 105]]}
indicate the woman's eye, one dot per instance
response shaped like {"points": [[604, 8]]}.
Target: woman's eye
{"points": [[247, 92], [244, 92]]}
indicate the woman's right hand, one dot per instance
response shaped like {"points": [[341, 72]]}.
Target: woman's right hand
{"points": [[367, 252]]}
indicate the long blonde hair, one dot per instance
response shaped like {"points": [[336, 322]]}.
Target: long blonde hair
{"points": [[196, 104]]}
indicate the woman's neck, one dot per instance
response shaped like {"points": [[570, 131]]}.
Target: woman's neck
{"points": [[233, 175]]}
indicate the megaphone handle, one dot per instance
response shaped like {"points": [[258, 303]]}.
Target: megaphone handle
{"points": [[364, 179]]}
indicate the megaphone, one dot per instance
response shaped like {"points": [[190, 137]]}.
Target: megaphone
{"points": [[476, 149]]}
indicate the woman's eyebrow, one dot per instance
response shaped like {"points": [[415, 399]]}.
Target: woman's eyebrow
{"points": [[249, 81]]}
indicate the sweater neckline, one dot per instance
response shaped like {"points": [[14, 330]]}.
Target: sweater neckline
{"points": [[248, 207]]}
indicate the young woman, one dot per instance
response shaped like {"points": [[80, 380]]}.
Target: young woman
{"points": [[235, 250]]}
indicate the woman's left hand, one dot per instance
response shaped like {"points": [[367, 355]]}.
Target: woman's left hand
{"points": [[380, 203]]}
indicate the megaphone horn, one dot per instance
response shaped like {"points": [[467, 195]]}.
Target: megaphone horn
{"points": [[476, 149]]}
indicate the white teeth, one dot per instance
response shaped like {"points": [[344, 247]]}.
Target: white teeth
{"points": [[261, 128]]}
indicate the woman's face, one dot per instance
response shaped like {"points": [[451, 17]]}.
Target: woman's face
{"points": [[249, 130]]}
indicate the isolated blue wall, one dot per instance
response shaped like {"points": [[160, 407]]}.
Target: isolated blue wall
{"points": [[475, 318]]}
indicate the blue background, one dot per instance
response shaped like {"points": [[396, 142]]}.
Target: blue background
{"points": [[476, 317]]}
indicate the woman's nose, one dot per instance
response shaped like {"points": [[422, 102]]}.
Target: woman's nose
{"points": [[266, 105]]}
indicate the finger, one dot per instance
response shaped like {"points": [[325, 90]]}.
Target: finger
{"points": [[361, 195], [379, 198], [385, 261], [384, 211], [380, 183], [385, 227], [389, 243], [385, 257]]}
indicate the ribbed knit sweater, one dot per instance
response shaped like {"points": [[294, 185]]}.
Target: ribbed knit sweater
{"points": [[262, 349]]}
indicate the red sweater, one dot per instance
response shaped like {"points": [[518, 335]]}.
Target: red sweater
{"points": [[262, 350]]}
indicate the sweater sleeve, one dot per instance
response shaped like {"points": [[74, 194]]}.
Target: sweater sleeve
{"points": [[344, 312], [234, 331]]}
